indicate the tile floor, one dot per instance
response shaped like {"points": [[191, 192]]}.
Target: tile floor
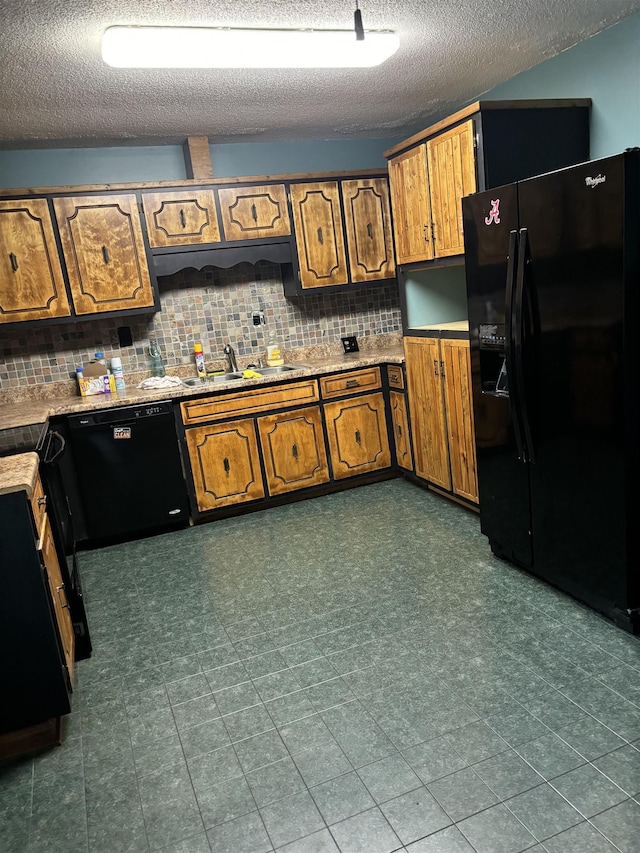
{"points": [[352, 673]]}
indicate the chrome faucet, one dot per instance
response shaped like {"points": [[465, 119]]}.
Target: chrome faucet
{"points": [[231, 357]]}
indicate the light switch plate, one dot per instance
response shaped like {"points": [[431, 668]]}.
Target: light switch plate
{"points": [[350, 344]]}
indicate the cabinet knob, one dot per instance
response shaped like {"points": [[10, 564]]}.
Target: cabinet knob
{"points": [[14, 262], [254, 213], [225, 465], [62, 595], [357, 437], [105, 254], [435, 367], [320, 237], [351, 383], [42, 501], [183, 219], [369, 231], [294, 451]]}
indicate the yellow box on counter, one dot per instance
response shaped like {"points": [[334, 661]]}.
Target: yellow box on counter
{"points": [[97, 385]]}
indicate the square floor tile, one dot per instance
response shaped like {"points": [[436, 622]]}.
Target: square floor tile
{"points": [[202, 709], [449, 840], [245, 834], [305, 733], [247, 723], [543, 811], [476, 741], [496, 830], [507, 774], [368, 832], [275, 781], [433, 759], [291, 818], [588, 790], [622, 766], [260, 750], [590, 738], [462, 794], [204, 738], [341, 797], [414, 815], [621, 825], [318, 842], [388, 778], [225, 801], [321, 763], [582, 838], [550, 756]]}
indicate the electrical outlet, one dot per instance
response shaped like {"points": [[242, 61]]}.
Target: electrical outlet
{"points": [[258, 318], [350, 344]]}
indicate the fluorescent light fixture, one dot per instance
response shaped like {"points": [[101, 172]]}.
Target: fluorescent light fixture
{"points": [[209, 47]]}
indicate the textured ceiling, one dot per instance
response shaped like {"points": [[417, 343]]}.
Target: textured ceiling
{"points": [[56, 91]]}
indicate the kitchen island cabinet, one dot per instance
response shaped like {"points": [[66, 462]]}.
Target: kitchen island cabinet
{"points": [[37, 677]]}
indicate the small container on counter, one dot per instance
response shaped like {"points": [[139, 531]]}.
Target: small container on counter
{"points": [[157, 364], [116, 369], [199, 356]]}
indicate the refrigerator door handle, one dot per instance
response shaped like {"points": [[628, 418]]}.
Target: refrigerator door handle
{"points": [[518, 338], [514, 397]]}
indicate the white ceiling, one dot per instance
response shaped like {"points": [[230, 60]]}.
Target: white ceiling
{"points": [[55, 90]]}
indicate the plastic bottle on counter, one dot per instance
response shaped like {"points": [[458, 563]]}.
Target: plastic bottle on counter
{"points": [[157, 364], [199, 356], [79, 375], [274, 350], [116, 369], [99, 356]]}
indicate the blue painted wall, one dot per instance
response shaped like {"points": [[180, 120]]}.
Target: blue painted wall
{"points": [[605, 68]]}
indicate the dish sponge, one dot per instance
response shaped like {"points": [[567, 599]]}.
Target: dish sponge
{"points": [[251, 374]]}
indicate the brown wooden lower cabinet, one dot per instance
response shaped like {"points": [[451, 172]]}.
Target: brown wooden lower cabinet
{"points": [[439, 389], [293, 450], [400, 422], [225, 463], [357, 435]]}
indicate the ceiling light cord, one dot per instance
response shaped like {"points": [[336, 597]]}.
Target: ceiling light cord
{"points": [[357, 23]]}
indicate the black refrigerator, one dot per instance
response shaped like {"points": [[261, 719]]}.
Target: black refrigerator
{"points": [[553, 284]]}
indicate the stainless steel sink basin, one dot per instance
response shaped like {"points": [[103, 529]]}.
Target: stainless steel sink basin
{"points": [[196, 381], [282, 368]]}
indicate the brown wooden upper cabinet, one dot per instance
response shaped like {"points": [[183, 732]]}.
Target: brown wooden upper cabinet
{"points": [[254, 213], [427, 186], [326, 257], [367, 217], [318, 223], [180, 218], [487, 144], [31, 280], [104, 252]]}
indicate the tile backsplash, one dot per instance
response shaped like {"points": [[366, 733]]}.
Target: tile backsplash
{"points": [[213, 306]]}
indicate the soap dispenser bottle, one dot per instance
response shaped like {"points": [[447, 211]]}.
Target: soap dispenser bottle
{"points": [[274, 350]]}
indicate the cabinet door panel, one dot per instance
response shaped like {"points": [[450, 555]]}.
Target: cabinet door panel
{"points": [[293, 450], [426, 407], [401, 430], [409, 185], [104, 251], [452, 172], [58, 597], [357, 434], [251, 213], [225, 464], [367, 218], [318, 226], [462, 446], [181, 218], [31, 281]]}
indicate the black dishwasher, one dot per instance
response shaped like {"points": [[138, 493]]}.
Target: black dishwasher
{"points": [[129, 470]]}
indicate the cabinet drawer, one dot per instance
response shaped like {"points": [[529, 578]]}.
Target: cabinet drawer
{"points": [[340, 384], [248, 402], [395, 376], [39, 507]]}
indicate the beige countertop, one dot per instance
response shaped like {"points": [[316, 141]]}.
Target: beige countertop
{"points": [[18, 473], [62, 401]]}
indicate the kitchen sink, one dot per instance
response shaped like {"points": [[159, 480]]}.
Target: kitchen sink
{"points": [[196, 381], [281, 368]]}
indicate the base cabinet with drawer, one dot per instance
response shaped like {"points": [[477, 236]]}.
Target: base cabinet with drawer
{"points": [[439, 387], [37, 676]]}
